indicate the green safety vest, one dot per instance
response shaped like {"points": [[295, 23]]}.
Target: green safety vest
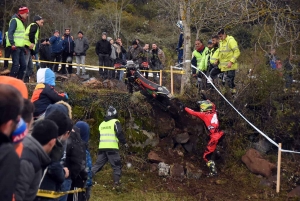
{"points": [[18, 35], [199, 56], [108, 138], [27, 41]]}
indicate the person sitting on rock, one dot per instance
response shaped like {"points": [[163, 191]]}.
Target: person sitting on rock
{"points": [[44, 93], [208, 114]]}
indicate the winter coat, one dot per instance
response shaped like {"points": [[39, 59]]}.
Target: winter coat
{"points": [[75, 154], [228, 52], [103, 47], [33, 160], [85, 136], [55, 174], [68, 44], [56, 44], [120, 52], [44, 93], [81, 46], [157, 59], [45, 52], [135, 54], [9, 168]]}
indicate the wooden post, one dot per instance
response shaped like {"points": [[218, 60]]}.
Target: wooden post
{"points": [[160, 77], [172, 87], [278, 169]]}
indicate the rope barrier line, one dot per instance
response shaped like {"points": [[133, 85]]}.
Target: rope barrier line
{"points": [[253, 126], [54, 194], [95, 67]]}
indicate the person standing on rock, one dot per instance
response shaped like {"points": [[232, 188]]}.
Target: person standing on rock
{"points": [[110, 135], [208, 114]]}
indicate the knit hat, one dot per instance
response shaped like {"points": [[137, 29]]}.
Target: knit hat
{"points": [[84, 130], [56, 31], [44, 131], [109, 39], [62, 121], [23, 10], [61, 106], [104, 33], [37, 18], [209, 42], [134, 43], [21, 131], [18, 84], [80, 32]]}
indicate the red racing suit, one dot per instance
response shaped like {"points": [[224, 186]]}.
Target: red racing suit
{"points": [[210, 119]]}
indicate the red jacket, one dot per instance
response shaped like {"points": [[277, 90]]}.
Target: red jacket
{"points": [[210, 118]]}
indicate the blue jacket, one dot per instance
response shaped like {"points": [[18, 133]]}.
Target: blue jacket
{"points": [[56, 44], [68, 44], [0, 37]]}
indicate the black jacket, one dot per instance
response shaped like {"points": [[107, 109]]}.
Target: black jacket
{"points": [[45, 52], [103, 47], [9, 168], [75, 154]]}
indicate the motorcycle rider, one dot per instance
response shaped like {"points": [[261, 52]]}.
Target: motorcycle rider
{"points": [[208, 114]]}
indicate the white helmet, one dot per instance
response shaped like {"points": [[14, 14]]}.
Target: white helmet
{"points": [[111, 111]]}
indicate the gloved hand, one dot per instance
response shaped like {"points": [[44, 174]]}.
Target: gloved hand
{"points": [[66, 95], [13, 48]]}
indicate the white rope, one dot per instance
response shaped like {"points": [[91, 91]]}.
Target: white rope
{"points": [[263, 134]]}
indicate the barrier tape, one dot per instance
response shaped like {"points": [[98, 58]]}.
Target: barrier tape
{"points": [[54, 194], [253, 126], [96, 67]]}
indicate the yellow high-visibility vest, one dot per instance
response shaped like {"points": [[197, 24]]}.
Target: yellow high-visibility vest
{"points": [[36, 37], [108, 138], [18, 35]]}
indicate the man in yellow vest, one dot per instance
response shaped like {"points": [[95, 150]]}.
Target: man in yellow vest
{"points": [[226, 58], [31, 39], [15, 40], [110, 135]]}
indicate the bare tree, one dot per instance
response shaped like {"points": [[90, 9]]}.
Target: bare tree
{"points": [[185, 13]]}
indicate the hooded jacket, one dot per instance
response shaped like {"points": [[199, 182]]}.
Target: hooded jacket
{"points": [[33, 160], [44, 93], [85, 136], [9, 168]]}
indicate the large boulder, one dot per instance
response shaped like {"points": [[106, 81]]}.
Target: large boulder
{"points": [[192, 172], [153, 157], [295, 192], [182, 138], [257, 164], [165, 126], [191, 144], [177, 171]]}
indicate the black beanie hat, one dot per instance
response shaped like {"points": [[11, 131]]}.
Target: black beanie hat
{"points": [[80, 32], [44, 131], [134, 42], [62, 121], [37, 18]]}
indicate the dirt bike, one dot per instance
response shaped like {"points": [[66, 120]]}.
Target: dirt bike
{"points": [[155, 93]]}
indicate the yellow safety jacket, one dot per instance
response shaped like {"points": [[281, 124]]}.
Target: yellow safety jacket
{"points": [[199, 56], [228, 51], [18, 35], [36, 37], [108, 138]]}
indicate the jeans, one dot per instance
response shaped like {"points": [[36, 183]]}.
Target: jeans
{"points": [[65, 56], [104, 60], [18, 63], [37, 64], [55, 57], [66, 186], [7, 53], [29, 64], [80, 60]]}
